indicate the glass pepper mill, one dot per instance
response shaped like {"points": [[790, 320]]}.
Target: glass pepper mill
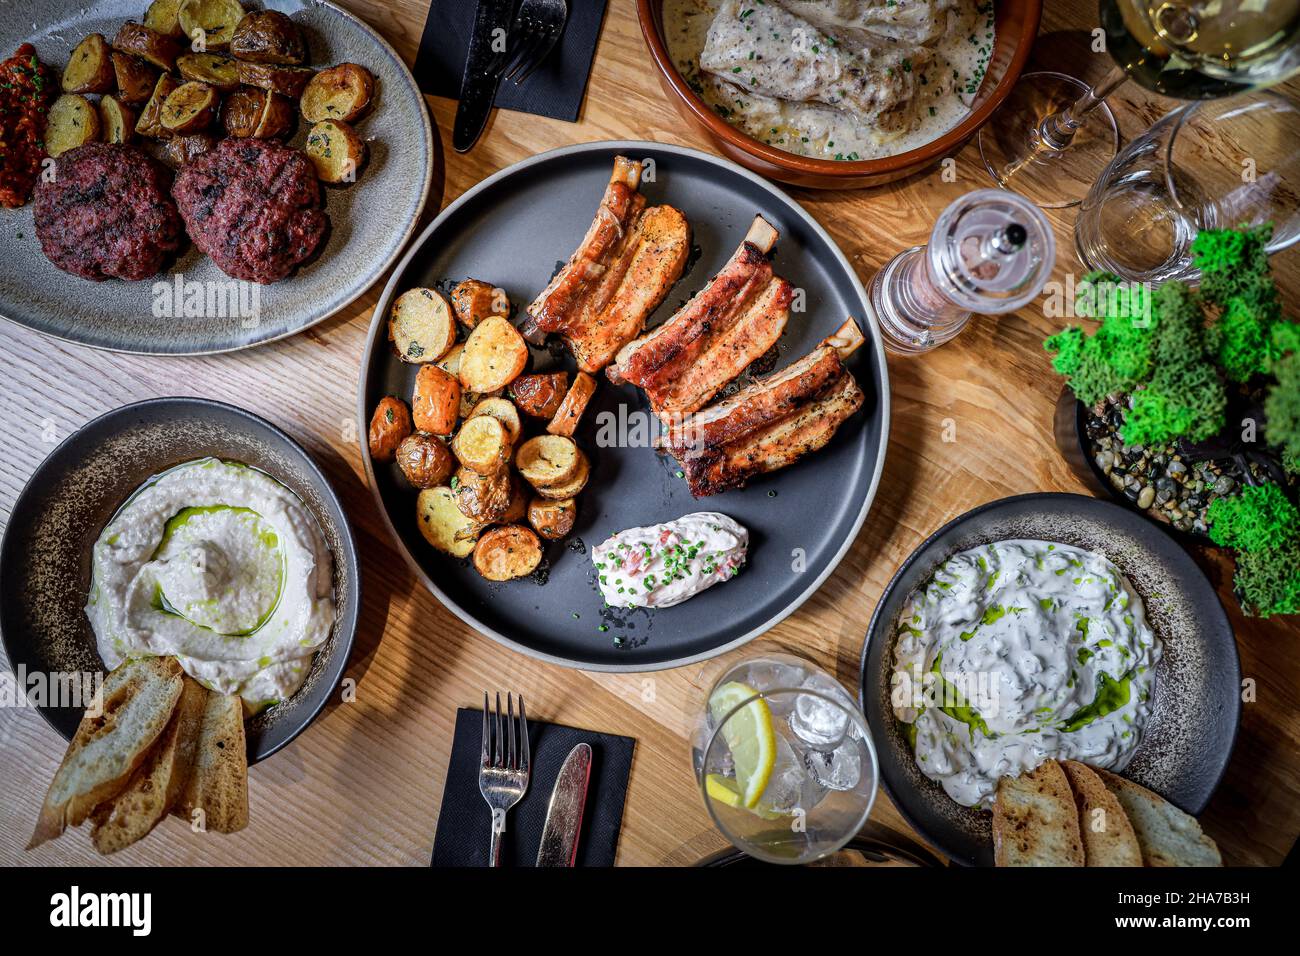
{"points": [[991, 251]]}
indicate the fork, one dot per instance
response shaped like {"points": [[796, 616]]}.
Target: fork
{"points": [[503, 775], [536, 30]]}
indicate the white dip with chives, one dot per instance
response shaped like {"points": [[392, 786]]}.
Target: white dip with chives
{"points": [[665, 564]]}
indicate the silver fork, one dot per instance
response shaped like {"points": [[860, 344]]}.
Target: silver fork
{"points": [[536, 30], [503, 775]]}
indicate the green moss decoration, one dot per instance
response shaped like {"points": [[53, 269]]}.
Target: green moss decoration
{"points": [[1282, 411]]}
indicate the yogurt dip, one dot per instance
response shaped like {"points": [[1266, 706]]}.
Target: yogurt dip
{"points": [[1017, 652], [221, 566], [665, 564]]}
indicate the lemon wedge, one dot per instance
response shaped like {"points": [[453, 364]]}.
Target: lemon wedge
{"points": [[749, 736]]}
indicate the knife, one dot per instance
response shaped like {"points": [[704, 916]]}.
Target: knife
{"points": [[564, 815], [478, 85]]}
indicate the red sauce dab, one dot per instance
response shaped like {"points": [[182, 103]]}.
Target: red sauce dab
{"points": [[26, 88]]}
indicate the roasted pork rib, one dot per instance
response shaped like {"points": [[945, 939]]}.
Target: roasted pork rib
{"points": [[628, 260], [725, 326], [771, 423]]}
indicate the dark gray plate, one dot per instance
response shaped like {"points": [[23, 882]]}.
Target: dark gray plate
{"points": [[45, 555], [370, 220], [514, 229], [1196, 705]]}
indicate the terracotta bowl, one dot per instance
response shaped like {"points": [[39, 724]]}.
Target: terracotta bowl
{"points": [[1016, 27]]}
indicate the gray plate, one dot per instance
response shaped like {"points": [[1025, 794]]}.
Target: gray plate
{"points": [[45, 555], [370, 220], [514, 229], [1196, 705]]}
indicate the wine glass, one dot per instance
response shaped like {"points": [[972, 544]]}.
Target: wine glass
{"points": [[1053, 135]]}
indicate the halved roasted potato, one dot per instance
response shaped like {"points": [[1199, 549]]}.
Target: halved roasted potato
{"points": [[575, 484], [504, 411], [474, 300], [148, 44], [162, 16], [421, 327], [540, 394], [548, 460], [90, 67], [442, 523], [268, 36], [209, 24], [565, 421], [424, 459], [495, 354], [276, 77], [436, 403], [189, 108], [150, 121], [508, 552], [218, 71], [242, 110], [116, 120], [341, 93], [72, 121], [451, 362], [134, 77], [336, 151], [179, 150], [389, 425], [484, 499], [482, 444], [553, 520]]}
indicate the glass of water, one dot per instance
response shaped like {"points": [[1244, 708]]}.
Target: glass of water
{"points": [[784, 759], [1207, 165]]}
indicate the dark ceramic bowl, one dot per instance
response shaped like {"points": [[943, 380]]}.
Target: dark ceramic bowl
{"points": [[45, 555], [1196, 704]]}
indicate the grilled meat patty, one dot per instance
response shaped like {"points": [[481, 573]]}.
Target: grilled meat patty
{"points": [[106, 213], [254, 206]]}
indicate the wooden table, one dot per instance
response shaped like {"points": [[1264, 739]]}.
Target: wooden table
{"points": [[363, 784]]}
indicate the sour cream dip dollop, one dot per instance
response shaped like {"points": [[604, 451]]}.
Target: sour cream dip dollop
{"points": [[1016, 652], [665, 564]]}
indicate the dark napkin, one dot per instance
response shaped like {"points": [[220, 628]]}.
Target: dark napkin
{"points": [[556, 87], [465, 822]]}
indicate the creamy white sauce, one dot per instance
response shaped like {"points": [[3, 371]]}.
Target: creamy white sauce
{"points": [[665, 564], [1044, 652], [943, 47]]}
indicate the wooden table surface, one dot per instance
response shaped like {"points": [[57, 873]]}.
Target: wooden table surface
{"points": [[363, 784]]}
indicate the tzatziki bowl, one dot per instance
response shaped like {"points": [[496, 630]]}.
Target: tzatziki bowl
{"points": [[1045, 626]]}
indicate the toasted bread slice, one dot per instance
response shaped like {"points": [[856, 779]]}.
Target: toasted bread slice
{"points": [[1167, 835], [218, 783], [1108, 837], [137, 702], [157, 783], [1035, 822]]}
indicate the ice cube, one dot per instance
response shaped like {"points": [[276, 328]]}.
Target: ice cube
{"points": [[838, 769], [790, 787], [817, 722]]}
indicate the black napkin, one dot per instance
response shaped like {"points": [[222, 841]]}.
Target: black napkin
{"points": [[465, 822], [556, 87]]}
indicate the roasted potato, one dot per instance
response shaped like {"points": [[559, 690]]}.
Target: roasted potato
{"points": [[148, 44], [189, 108], [565, 421], [116, 121], [134, 77], [503, 410], [482, 445], [548, 460], [209, 24], [389, 425], [268, 36], [553, 520], [275, 77], [539, 395], [474, 300], [495, 354], [517, 512], [150, 121], [573, 486], [436, 404], [72, 121], [219, 72], [424, 459], [162, 16], [242, 111], [179, 150], [90, 67], [483, 499], [421, 328], [442, 523], [341, 93], [508, 552], [336, 151]]}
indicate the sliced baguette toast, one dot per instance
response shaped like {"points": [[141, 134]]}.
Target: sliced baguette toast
{"points": [[157, 783], [218, 783], [1035, 821], [137, 702], [1167, 835], [1108, 837]]}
